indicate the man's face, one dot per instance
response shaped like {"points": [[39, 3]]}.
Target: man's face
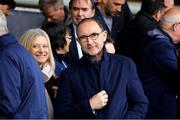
{"points": [[168, 4], [112, 7], [53, 15], [91, 38], [80, 10], [5, 9]]}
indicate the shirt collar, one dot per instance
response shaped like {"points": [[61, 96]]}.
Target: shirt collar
{"points": [[104, 57]]}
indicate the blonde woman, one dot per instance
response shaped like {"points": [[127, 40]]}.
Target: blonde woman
{"points": [[37, 42]]}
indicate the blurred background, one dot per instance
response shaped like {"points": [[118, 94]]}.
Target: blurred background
{"points": [[27, 15]]}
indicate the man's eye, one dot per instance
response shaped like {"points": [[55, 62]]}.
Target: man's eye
{"points": [[94, 34], [82, 37], [75, 9], [85, 9]]}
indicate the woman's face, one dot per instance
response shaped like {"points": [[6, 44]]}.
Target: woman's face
{"points": [[40, 50]]}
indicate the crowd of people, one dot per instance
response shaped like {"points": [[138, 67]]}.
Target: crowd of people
{"points": [[92, 59]]}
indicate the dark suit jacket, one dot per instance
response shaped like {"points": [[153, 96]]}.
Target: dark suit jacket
{"points": [[130, 39], [119, 21], [117, 77]]}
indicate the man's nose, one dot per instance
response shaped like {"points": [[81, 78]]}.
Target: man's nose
{"points": [[89, 40], [118, 8], [80, 12]]}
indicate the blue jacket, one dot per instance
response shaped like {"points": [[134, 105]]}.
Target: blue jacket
{"points": [[22, 91], [158, 71], [60, 64], [117, 77]]}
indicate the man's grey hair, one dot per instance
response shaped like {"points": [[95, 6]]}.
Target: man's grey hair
{"points": [[3, 23], [56, 4]]}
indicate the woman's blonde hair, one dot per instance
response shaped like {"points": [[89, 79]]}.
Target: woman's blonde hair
{"points": [[30, 35]]}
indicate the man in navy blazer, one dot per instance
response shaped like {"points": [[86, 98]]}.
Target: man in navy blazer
{"points": [[22, 91], [100, 84], [159, 66]]}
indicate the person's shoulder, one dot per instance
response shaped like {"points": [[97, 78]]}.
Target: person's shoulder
{"points": [[121, 61], [17, 51], [158, 37], [120, 58], [11, 46], [20, 50], [16, 54]]}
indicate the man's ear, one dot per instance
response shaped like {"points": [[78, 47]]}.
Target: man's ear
{"points": [[176, 26], [157, 15], [104, 34]]}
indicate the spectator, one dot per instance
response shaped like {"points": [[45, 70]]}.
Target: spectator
{"points": [[54, 11], [21, 82], [6, 6], [114, 15], [80, 9], [60, 37], [99, 84], [37, 42], [159, 66], [130, 39]]}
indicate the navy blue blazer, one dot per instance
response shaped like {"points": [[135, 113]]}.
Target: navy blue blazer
{"points": [[157, 72], [118, 78], [22, 91]]}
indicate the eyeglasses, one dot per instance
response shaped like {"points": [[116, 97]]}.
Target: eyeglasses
{"points": [[93, 36]]}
